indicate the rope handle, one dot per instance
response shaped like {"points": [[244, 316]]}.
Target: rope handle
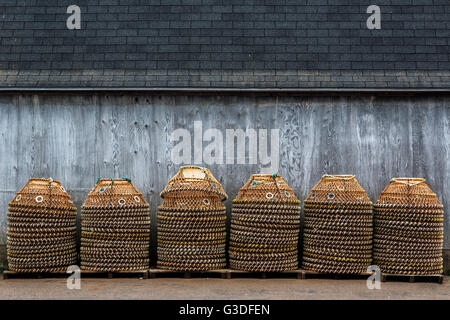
{"points": [[412, 183], [202, 169], [339, 177], [274, 177], [192, 166], [112, 179], [50, 181], [112, 191]]}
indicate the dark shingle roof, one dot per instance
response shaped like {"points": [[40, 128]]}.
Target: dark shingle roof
{"points": [[225, 44]]}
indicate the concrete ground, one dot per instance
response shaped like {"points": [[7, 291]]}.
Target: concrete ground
{"points": [[222, 289]]}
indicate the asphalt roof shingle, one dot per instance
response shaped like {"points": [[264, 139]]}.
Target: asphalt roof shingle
{"points": [[225, 44]]}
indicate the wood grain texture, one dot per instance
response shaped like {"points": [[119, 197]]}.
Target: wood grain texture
{"points": [[77, 138]]}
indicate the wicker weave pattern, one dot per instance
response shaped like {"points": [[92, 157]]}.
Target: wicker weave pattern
{"points": [[192, 222], [265, 225], [408, 228], [190, 179], [41, 234], [338, 226], [115, 224]]}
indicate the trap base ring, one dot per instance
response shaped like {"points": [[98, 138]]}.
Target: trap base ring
{"points": [[39, 199]]}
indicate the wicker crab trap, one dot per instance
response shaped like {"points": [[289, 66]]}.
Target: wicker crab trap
{"points": [[115, 228], [338, 227], [265, 224], [408, 229], [192, 222], [41, 233]]}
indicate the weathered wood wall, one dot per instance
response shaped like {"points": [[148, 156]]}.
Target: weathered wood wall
{"points": [[78, 137]]}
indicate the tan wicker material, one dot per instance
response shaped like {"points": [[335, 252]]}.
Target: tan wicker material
{"points": [[408, 229], [267, 188], [192, 222], [338, 226], [334, 189], [190, 179], [265, 225], [115, 224], [408, 191], [41, 234]]}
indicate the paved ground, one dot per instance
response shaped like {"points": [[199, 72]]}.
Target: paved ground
{"points": [[169, 288]]}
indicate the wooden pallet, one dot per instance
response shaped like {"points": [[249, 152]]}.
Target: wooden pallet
{"points": [[264, 275], [223, 273], [439, 278], [116, 274], [305, 274], [34, 275], [94, 274], [155, 273]]}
